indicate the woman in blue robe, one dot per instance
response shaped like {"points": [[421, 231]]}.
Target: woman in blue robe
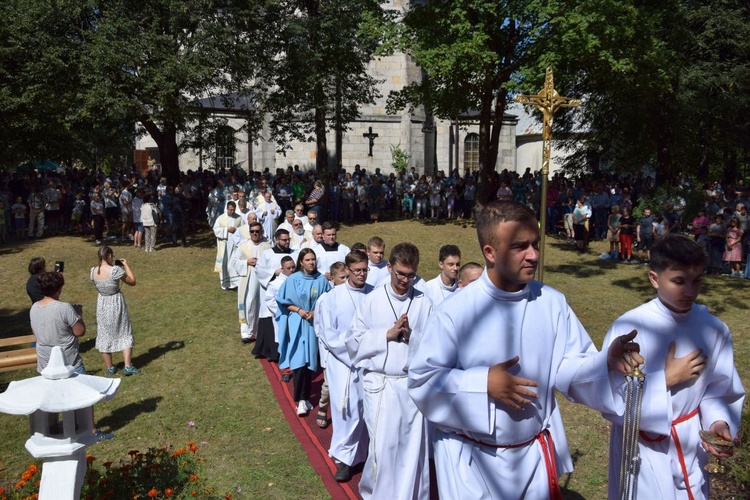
{"points": [[298, 345]]}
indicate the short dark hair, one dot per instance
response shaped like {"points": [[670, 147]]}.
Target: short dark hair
{"points": [[232, 204], [406, 254], [677, 251], [255, 223], [360, 247], [37, 265], [448, 251], [496, 212], [286, 258], [328, 225], [50, 283], [355, 256], [280, 232]]}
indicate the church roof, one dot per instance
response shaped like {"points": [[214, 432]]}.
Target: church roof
{"points": [[236, 102]]}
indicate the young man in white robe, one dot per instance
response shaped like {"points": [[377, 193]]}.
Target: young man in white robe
{"points": [[224, 228], [387, 320], [243, 262], [334, 312], [444, 284], [487, 365], [469, 273], [691, 379], [329, 251], [267, 212], [377, 265]]}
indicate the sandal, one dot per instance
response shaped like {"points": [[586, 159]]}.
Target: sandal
{"points": [[322, 419]]}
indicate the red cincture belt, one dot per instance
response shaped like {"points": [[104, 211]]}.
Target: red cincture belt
{"points": [[677, 445], [548, 451]]}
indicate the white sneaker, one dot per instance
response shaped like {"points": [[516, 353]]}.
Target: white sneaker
{"points": [[309, 405], [302, 409]]}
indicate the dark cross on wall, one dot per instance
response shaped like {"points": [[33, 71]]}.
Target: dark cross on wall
{"points": [[371, 137]]}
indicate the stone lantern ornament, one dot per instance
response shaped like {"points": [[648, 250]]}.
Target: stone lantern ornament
{"points": [[60, 442]]}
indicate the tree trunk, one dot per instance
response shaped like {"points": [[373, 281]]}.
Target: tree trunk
{"points": [[166, 141], [490, 123], [321, 157]]}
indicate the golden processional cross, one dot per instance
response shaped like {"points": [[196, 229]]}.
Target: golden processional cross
{"points": [[548, 101]]}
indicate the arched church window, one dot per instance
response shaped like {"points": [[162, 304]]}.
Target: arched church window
{"points": [[471, 151], [225, 147]]}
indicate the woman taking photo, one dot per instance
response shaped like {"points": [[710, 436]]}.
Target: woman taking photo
{"points": [[114, 331], [298, 345]]}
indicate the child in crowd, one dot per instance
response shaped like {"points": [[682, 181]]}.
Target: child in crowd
{"points": [[3, 228], [338, 277], [626, 226], [18, 209], [75, 216], [613, 231], [691, 380]]}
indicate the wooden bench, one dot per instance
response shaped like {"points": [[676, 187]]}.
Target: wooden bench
{"points": [[17, 359]]}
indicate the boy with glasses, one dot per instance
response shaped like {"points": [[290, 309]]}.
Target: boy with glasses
{"points": [[386, 321]]}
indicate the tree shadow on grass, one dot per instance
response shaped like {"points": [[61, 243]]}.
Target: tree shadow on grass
{"points": [[126, 414], [156, 352], [585, 269], [15, 323], [566, 493]]}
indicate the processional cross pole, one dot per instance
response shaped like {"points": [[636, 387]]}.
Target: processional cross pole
{"points": [[548, 101], [369, 135]]}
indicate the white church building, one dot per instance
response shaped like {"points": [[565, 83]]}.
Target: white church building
{"points": [[432, 144]]}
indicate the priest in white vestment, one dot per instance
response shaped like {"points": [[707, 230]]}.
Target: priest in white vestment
{"points": [[299, 236], [387, 321], [243, 261], [225, 226], [334, 312], [489, 361], [267, 213], [446, 283]]}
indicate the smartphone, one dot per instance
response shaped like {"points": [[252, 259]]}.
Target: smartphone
{"points": [[59, 266], [118, 262]]}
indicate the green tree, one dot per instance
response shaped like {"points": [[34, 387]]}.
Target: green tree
{"points": [[153, 59], [473, 53], [316, 68]]}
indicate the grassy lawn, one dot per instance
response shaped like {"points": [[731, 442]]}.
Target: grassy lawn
{"points": [[196, 370]]}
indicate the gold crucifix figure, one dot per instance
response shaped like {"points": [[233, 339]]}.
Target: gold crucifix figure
{"points": [[548, 101]]}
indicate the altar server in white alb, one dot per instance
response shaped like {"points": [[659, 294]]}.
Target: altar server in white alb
{"points": [[389, 318], [333, 316], [243, 262], [329, 251], [377, 265], [224, 228], [445, 283], [691, 380], [489, 361]]}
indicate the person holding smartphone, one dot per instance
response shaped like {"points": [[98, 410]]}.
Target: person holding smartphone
{"points": [[114, 330]]}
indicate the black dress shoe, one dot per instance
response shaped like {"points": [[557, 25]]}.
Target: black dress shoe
{"points": [[343, 473], [246, 340]]}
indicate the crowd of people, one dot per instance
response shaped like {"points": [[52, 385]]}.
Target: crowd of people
{"points": [[462, 369]]}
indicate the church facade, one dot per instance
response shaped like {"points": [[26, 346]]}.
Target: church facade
{"points": [[432, 144]]}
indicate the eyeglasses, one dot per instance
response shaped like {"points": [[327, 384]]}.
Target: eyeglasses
{"points": [[283, 239], [255, 232], [402, 276], [359, 271]]}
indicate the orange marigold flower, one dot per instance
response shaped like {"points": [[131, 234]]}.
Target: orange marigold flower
{"points": [[35, 496], [228, 496], [90, 459], [194, 493], [191, 443], [178, 452], [2, 490], [32, 468], [26, 475], [193, 448], [133, 453], [153, 493], [20, 484], [168, 492], [194, 477], [38, 483]]}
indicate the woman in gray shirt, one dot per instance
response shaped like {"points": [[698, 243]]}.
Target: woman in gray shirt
{"points": [[56, 323]]}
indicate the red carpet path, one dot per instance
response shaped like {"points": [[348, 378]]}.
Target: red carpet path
{"points": [[314, 440]]}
